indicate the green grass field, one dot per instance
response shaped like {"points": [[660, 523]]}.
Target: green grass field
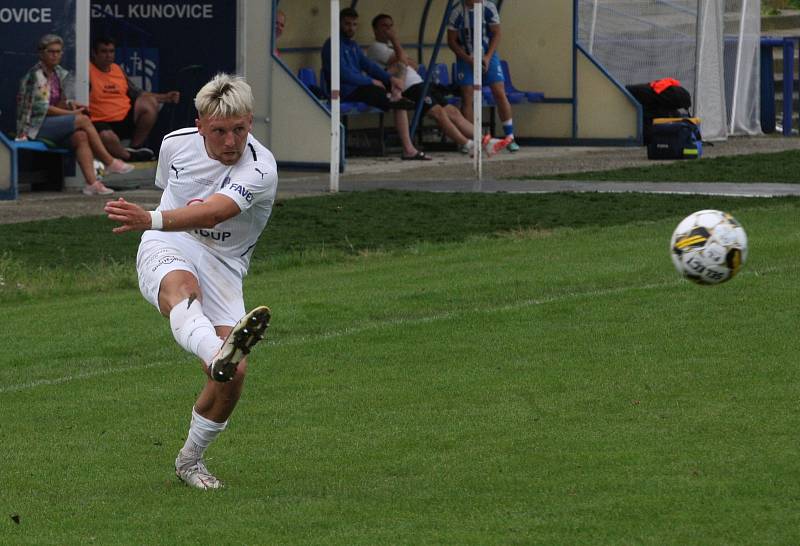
{"points": [[777, 167], [441, 369]]}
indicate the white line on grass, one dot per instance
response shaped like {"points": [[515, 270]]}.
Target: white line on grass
{"points": [[378, 325], [521, 304], [68, 378]]}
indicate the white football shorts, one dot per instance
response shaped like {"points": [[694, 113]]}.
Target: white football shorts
{"points": [[220, 286]]}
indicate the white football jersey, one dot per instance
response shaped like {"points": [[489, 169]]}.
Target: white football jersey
{"points": [[187, 175]]}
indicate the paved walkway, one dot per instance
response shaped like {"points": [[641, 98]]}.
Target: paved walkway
{"points": [[448, 172], [310, 187], [506, 172]]}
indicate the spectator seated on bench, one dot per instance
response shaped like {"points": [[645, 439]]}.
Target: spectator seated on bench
{"points": [[308, 78], [441, 76], [388, 52], [362, 80], [46, 109], [119, 108]]}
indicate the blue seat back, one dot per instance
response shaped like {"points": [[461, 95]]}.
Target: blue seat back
{"points": [[441, 74], [307, 76], [514, 93], [323, 82]]}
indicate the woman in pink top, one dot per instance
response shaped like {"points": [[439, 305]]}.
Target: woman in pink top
{"points": [[45, 110]]}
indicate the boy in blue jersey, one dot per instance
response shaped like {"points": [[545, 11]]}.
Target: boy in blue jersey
{"points": [[362, 80], [459, 38]]}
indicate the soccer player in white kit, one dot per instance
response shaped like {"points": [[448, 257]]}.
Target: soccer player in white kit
{"points": [[219, 185]]}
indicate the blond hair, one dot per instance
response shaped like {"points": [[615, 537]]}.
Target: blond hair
{"points": [[48, 39], [225, 96]]}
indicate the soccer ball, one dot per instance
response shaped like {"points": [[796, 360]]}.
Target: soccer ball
{"points": [[709, 247], [99, 169]]}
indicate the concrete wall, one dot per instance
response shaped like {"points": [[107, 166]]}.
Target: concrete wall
{"points": [[537, 41], [308, 26], [604, 111], [538, 44], [301, 126]]}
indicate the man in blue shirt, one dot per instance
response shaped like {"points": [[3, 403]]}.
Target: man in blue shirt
{"points": [[459, 38], [362, 80]]}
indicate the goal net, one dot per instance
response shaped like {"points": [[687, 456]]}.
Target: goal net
{"points": [[711, 46]]}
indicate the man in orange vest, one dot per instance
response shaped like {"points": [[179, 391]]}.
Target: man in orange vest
{"points": [[119, 108]]}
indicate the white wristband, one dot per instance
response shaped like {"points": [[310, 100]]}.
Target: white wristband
{"points": [[156, 219]]}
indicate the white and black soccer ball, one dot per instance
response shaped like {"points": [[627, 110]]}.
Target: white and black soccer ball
{"points": [[709, 247], [99, 169]]}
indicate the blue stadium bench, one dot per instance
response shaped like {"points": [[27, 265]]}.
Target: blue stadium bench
{"points": [[531, 96], [515, 96], [308, 77], [9, 162]]}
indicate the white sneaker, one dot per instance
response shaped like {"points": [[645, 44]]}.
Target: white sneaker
{"points": [[98, 188], [196, 474], [468, 148], [494, 145], [248, 331], [119, 167]]}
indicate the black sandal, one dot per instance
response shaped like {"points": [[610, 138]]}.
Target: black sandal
{"points": [[420, 156]]}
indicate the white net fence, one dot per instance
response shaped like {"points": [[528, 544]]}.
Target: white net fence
{"points": [[742, 30], [711, 46]]}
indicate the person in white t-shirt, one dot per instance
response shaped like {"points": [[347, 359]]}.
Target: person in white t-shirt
{"points": [[219, 186], [387, 51]]}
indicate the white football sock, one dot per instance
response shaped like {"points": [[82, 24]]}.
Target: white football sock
{"points": [[508, 128], [202, 432], [193, 331]]}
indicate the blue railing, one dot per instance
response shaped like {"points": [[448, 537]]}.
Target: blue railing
{"points": [[768, 83]]}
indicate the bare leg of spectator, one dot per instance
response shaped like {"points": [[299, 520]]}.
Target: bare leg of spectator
{"points": [[113, 145], [443, 120], [464, 125], [401, 124], [84, 125], [145, 114], [466, 101], [84, 156]]}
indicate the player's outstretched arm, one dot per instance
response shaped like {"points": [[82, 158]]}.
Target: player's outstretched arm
{"points": [[206, 214], [131, 216]]}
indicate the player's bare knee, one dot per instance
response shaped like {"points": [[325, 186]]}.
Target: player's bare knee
{"points": [[177, 286]]}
